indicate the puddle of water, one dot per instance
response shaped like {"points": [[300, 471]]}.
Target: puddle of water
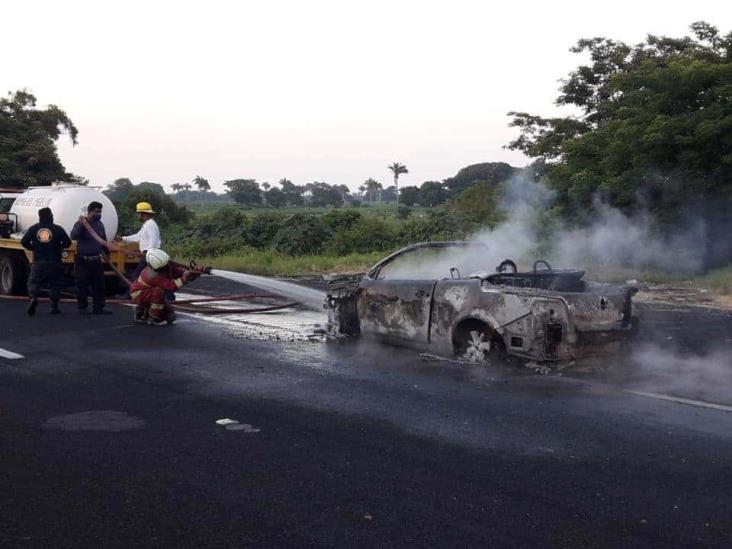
{"points": [[94, 420], [282, 325], [285, 325]]}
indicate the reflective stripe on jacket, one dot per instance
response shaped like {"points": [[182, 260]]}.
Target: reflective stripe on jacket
{"points": [[168, 278]]}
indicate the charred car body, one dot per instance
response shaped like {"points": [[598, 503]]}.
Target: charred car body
{"points": [[420, 297]]}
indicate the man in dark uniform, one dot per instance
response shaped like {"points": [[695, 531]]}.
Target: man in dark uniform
{"points": [[89, 269], [46, 240]]}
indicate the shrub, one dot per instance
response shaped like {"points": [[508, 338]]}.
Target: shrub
{"points": [[403, 211], [263, 229], [436, 225], [341, 219], [369, 234], [211, 234], [301, 234]]}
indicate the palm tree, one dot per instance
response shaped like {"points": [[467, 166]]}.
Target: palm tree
{"points": [[202, 183], [397, 169], [372, 187], [266, 186], [203, 186], [186, 187], [176, 187]]}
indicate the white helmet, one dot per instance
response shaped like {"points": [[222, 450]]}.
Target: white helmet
{"points": [[157, 258]]}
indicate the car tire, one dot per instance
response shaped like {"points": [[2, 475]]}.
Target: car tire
{"points": [[13, 274]]}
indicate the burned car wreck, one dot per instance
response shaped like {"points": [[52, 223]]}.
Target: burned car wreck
{"points": [[434, 296]]}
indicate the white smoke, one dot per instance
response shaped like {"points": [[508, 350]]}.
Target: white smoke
{"points": [[613, 242], [667, 370], [613, 239]]}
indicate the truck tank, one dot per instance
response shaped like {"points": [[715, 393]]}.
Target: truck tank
{"points": [[67, 202]]}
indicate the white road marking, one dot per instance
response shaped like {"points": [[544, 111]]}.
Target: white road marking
{"points": [[234, 425], [680, 400], [10, 354]]}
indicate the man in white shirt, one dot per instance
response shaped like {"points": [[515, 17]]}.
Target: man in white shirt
{"points": [[148, 237]]}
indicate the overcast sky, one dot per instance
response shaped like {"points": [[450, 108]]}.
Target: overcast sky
{"points": [[309, 90]]}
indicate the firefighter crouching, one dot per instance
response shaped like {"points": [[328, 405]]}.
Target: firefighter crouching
{"points": [[148, 291]]}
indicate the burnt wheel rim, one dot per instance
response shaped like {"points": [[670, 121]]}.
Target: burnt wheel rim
{"points": [[476, 347]]}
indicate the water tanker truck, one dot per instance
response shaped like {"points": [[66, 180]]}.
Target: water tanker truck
{"points": [[19, 210]]}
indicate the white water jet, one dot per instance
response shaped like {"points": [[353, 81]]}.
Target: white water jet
{"points": [[307, 297]]}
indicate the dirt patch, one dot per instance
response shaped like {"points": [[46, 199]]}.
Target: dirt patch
{"points": [[683, 295]]}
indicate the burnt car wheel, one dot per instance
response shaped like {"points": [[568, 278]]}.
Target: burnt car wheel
{"points": [[475, 341]]}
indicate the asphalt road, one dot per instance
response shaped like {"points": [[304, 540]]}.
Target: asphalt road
{"points": [[109, 438]]}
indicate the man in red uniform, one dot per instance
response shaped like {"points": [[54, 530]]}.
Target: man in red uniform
{"points": [[148, 291]]}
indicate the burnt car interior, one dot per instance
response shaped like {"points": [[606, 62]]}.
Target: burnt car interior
{"points": [[542, 277], [464, 260]]}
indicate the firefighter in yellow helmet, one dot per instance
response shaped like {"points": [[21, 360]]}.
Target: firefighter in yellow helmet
{"points": [[148, 237]]}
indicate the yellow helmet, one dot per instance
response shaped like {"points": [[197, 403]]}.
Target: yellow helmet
{"points": [[144, 207]]}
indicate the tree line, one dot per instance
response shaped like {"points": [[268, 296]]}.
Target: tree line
{"points": [[654, 133], [251, 193]]}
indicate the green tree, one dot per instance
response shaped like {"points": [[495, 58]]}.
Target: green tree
{"points": [[125, 197], [489, 172], [203, 186], [432, 193], [28, 138], [479, 204], [119, 190], [373, 189], [409, 196], [275, 198], [323, 194], [389, 194], [202, 183], [244, 191], [397, 169], [293, 193], [655, 130]]}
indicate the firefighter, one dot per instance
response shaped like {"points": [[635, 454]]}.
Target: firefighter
{"points": [[46, 240], [148, 291], [148, 237]]}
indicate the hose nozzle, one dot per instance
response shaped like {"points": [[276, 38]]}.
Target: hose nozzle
{"points": [[193, 266]]}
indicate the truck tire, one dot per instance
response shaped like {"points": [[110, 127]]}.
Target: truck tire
{"points": [[13, 274]]}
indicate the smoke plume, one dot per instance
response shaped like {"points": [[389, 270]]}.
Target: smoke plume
{"points": [[612, 240]]}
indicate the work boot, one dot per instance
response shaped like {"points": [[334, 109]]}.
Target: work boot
{"points": [[153, 322], [171, 318], [54, 309], [140, 314], [32, 306]]}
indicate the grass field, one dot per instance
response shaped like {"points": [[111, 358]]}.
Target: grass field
{"points": [[268, 263]]}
